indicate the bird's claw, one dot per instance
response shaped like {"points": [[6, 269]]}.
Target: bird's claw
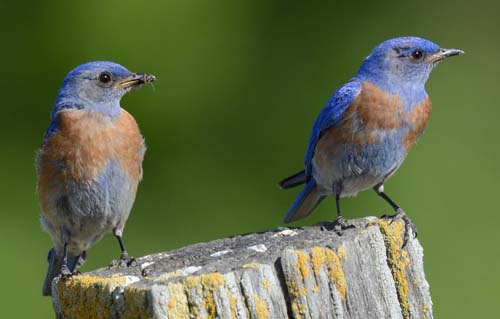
{"points": [[342, 224], [410, 228], [337, 226], [65, 273], [146, 272], [130, 262], [124, 262]]}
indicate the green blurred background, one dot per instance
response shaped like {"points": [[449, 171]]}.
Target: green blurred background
{"points": [[239, 86]]}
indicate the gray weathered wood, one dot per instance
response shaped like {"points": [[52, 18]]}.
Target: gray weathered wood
{"points": [[287, 273]]}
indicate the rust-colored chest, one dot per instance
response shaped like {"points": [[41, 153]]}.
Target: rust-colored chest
{"points": [[372, 116], [86, 141]]}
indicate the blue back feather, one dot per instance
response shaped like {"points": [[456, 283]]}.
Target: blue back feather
{"points": [[330, 115]]}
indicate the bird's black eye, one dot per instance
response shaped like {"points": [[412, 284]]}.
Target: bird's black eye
{"points": [[417, 54], [105, 77]]}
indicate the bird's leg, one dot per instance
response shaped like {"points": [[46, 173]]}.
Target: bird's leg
{"points": [[379, 189], [340, 219], [65, 272], [400, 214], [340, 223], [125, 259], [124, 255], [81, 259], [129, 261]]}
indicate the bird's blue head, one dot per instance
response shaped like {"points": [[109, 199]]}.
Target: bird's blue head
{"points": [[98, 86], [403, 64]]}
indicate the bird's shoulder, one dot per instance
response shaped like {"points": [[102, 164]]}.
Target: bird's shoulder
{"points": [[331, 115], [338, 104]]}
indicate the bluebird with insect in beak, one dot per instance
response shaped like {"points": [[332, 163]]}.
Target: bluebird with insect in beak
{"points": [[89, 164], [365, 131]]}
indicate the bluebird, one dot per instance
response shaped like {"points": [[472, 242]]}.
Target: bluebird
{"points": [[89, 165], [366, 129]]}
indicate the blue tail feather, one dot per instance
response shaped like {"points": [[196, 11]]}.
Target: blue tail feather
{"points": [[305, 203], [54, 269]]}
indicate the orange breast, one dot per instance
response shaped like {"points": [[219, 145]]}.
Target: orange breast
{"points": [[372, 110], [417, 119], [377, 109], [81, 147]]}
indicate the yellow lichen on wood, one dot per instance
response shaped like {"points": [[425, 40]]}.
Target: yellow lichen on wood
{"points": [[426, 310], [302, 263], [135, 304], [326, 257], [335, 272], [303, 292], [316, 288], [397, 259], [318, 259], [87, 297], [293, 290], [265, 284], [296, 290], [302, 309], [171, 303], [261, 308], [177, 304], [341, 252], [251, 266], [232, 303], [294, 293], [205, 287], [166, 276], [295, 310]]}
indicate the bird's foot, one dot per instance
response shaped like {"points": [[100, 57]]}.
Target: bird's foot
{"points": [[410, 228], [337, 226], [124, 261], [342, 224], [113, 263], [65, 273], [146, 272], [129, 261]]}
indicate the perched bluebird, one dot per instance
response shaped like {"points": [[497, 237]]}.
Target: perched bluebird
{"points": [[89, 164], [364, 132]]}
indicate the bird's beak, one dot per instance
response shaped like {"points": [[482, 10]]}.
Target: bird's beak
{"points": [[444, 53], [133, 80]]}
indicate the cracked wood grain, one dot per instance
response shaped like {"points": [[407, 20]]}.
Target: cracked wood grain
{"points": [[285, 273]]}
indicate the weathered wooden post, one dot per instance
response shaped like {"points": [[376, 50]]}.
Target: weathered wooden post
{"points": [[286, 273]]}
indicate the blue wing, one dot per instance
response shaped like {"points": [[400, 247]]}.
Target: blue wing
{"points": [[330, 115]]}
